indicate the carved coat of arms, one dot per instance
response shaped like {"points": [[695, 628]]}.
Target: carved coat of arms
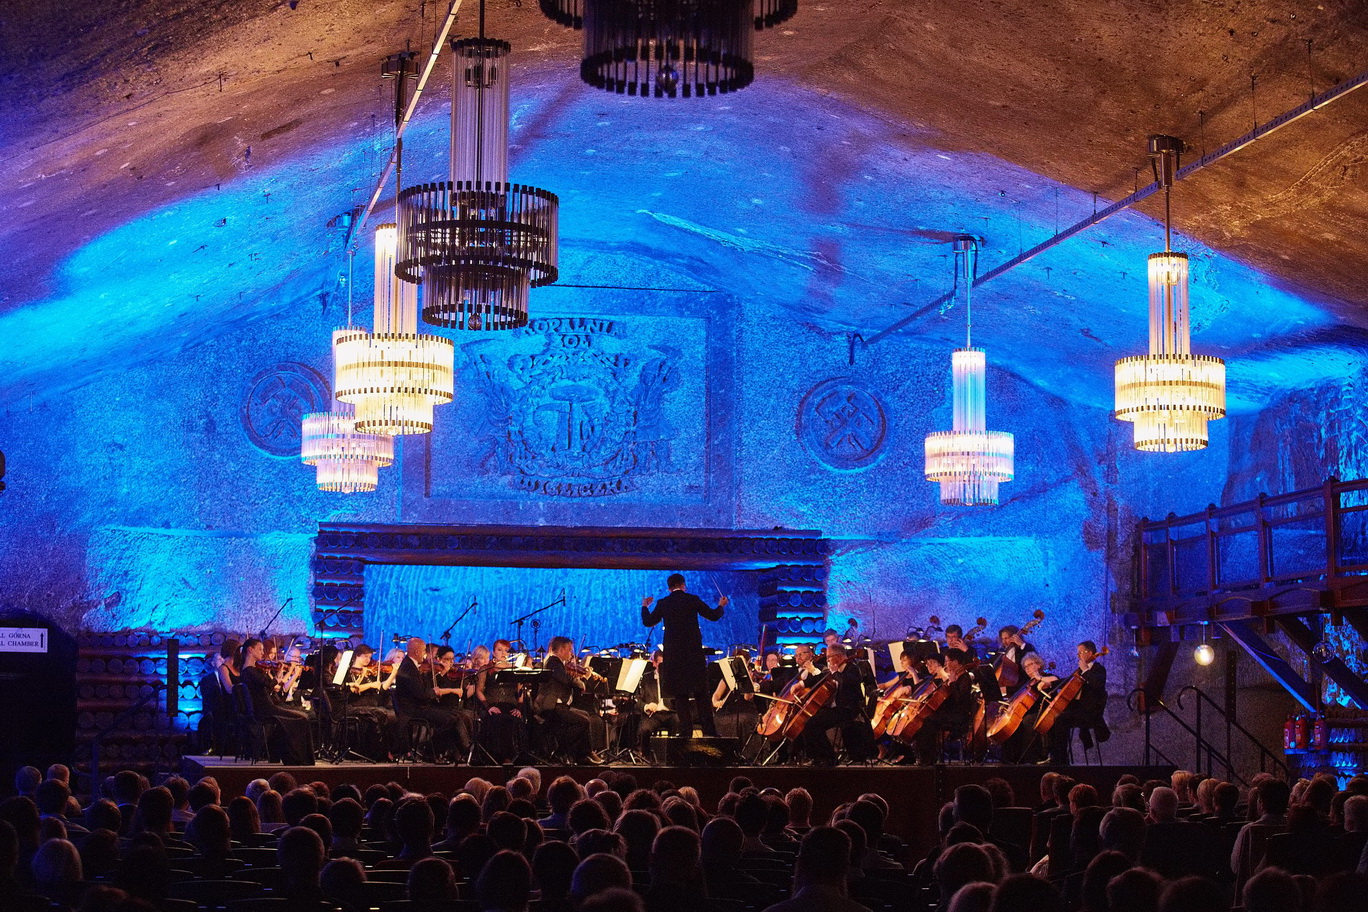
{"points": [[574, 408]]}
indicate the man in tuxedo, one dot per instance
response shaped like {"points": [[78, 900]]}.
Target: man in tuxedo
{"points": [[415, 698], [572, 727], [655, 712], [845, 711], [1086, 711], [684, 672], [1013, 649]]}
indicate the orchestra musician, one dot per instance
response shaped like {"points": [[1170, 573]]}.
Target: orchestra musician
{"points": [[1085, 713], [415, 697], [734, 712], [503, 727], [954, 639], [956, 714], [845, 712], [1014, 649], [656, 714], [292, 736], [363, 701], [684, 672], [1023, 746], [573, 728]]}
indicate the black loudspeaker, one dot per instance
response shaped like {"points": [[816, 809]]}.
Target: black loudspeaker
{"points": [[674, 751], [172, 677]]}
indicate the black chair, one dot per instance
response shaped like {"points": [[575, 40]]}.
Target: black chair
{"points": [[270, 878], [406, 905], [251, 731], [281, 904], [376, 892], [257, 856], [214, 894], [420, 740]]}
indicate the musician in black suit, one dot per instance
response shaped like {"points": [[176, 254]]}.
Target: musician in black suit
{"points": [[416, 698], [684, 673], [844, 711], [572, 727], [955, 716], [1086, 711], [656, 714]]}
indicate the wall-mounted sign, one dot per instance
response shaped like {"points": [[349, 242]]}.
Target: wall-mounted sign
{"points": [[23, 639]]}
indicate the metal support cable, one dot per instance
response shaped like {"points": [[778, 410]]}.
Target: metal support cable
{"points": [[428, 66], [1259, 132]]}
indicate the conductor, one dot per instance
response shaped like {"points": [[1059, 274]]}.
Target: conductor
{"points": [[683, 672]]}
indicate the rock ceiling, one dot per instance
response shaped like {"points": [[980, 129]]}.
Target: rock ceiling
{"points": [[172, 170]]}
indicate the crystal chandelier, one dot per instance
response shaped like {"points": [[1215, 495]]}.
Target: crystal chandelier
{"points": [[477, 243], [395, 375], [346, 460], [668, 48], [1169, 394], [970, 461]]}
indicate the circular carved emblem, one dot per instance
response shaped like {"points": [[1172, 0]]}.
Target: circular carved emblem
{"points": [[277, 398], [842, 424]]}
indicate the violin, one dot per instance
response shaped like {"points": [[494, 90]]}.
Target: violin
{"points": [[1065, 695], [583, 672], [1009, 673]]}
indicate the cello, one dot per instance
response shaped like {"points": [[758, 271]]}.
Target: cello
{"points": [[1009, 674], [1066, 695], [930, 696], [795, 705], [1010, 719]]}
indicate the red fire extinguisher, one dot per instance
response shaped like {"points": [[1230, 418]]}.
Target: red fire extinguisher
{"points": [[1303, 730], [1320, 732], [1290, 732]]}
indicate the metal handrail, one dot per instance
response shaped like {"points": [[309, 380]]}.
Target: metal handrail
{"points": [[1200, 742], [119, 720], [1230, 723]]}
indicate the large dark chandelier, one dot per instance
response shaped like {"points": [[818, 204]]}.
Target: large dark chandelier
{"points": [[668, 48], [477, 243]]}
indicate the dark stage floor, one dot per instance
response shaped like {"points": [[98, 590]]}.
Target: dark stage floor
{"points": [[915, 794]]}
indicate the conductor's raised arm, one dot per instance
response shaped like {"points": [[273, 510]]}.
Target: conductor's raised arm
{"points": [[714, 614], [649, 618]]}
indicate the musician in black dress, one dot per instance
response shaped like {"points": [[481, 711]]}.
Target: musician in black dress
{"points": [[684, 673], [503, 725], [845, 711], [956, 715], [735, 712], [290, 738], [415, 697], [573, 728], [1086, 711]]}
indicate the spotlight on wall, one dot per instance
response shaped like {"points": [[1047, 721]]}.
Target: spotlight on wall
{"points": [[1204, 654]]}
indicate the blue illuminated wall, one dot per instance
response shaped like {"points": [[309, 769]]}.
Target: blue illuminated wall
{"points": [[710, 385]]}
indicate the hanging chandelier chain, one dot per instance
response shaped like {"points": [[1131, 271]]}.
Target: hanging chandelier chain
{"points": [[966, 262]]}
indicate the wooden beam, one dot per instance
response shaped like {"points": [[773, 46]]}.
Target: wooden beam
{"points": [[1162, 664], [1252, 642], [1334, 667]]}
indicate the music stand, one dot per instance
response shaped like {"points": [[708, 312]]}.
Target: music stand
{"points": [[626, 680], [339, 679]]}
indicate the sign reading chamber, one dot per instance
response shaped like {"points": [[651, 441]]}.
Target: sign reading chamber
{"points": [[23, 639]]}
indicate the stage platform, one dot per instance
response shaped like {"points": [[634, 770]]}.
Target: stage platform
{"points": [[914, 793]]}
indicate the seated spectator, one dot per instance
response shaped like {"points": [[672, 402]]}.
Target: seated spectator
{"points": [[154, 812], [505, 884], [1099, 873], [553, 868], [1176, 848], [462, 820], [102, 815], [57, 872], [296, 804], [496, 799], [870, 818], [1192, 894], [1025, 893], [341, 881], [22, 814], [1308, 846], [269, 812], [346, 818], [300, 856], [600, 842], [676, 875], [1270, 805], [719, 855], [799, 802], [639, 829], [751, 815], [145, 873], [587, 814], [181, 811], [255, 788], [413, 826], [1272, 890], [614, 899], [100, 854], [472, 854], [819, 876], [243, 822], [596, 874], [1123, 830], [431, 881], [508, 831], [959, 865]]}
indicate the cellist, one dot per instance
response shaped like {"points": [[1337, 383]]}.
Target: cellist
{"points": [[846, 712], [956, 714], [1023, 740], [1086, 710]]}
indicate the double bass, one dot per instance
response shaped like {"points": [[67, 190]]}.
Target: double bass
{"points": [[1009, 674], [1063, 697], [795, 705]]}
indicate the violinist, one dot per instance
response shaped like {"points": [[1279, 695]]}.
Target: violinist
{"points": [[365, 681], [503, 730], [229, 672], [572, 727], [845, 712], [656, 715], [415, 697], [1085, 712], [734, 712], [956, 715], [291, 738], [446, 679]]}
